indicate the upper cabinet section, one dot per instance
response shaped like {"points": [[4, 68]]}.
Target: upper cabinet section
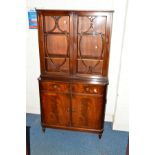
{"points": [[74, 43]]}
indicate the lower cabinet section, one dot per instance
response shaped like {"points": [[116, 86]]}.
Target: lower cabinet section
{"points": [[73, 109]]}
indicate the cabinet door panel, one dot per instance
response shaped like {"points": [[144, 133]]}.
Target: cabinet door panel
{"points": [[54, 109], [91, 31], [54, 42], [87, 111]]}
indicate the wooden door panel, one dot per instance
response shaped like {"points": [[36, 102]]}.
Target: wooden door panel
{"points": [[87, 111], [54, 108]]}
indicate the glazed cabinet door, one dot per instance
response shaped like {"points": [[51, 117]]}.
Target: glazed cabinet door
{"points": [[54, 41], [93, 35], [87, 111], [55, 109]]}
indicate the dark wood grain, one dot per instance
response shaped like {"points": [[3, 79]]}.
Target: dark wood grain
{"points": [[81, 129], [88, 88], [54, 86], [87, 111], [55, 108], [74, 51]]}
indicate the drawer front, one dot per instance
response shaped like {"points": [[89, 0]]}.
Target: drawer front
{"points": [[54, 86], [88, 89]]}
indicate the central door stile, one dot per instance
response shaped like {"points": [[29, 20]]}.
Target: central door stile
{"points": [[75, 42], [71, 47], [71, 64]]}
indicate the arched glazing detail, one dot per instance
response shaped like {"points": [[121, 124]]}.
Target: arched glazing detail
{"points": [[56, 38], [91, 39]]}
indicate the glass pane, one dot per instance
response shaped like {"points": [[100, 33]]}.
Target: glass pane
{"points": [[57, 44], [100, 24], [56, 23], [57, 65], [90, 46], [84, 24], [92, 23], [49, 23], [90, 67]]}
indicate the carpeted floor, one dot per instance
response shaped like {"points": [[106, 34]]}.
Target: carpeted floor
{"points": [[62, 142]]}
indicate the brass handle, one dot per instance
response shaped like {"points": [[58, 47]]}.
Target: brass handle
{"points": [[87, 89], [95, 90], [55, 86], [96, 46]]}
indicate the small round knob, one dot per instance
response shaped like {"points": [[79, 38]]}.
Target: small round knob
{"points": [[96, 46], [65, 22]]}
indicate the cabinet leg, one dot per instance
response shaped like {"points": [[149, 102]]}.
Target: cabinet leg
{"points": [[100, 135], [43, 129]]}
